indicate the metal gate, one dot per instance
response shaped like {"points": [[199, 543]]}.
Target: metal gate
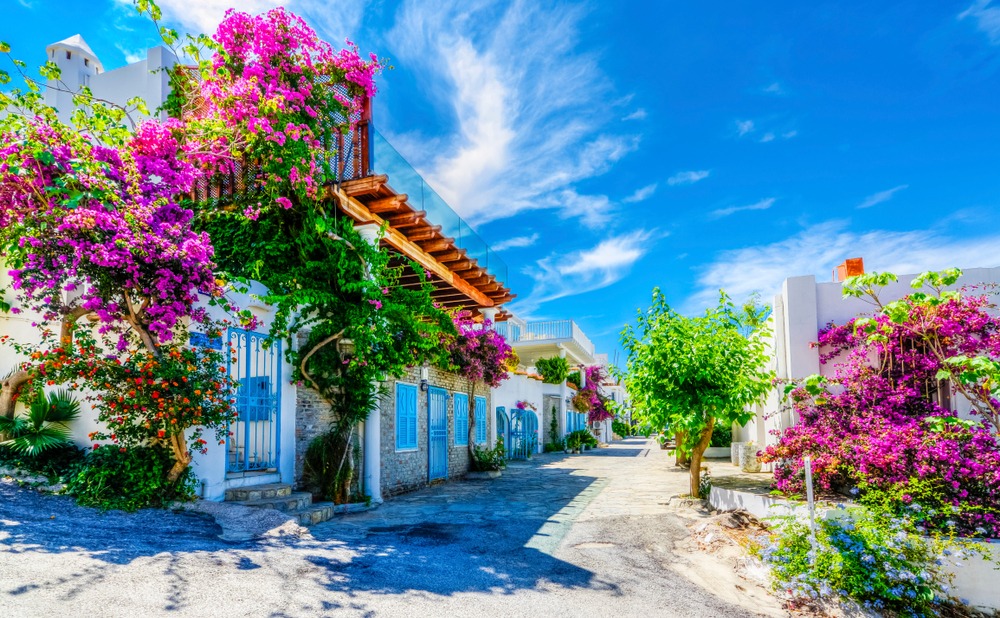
{"points": [[523, 434], [502, 426], [437, 423], [253, 442]]}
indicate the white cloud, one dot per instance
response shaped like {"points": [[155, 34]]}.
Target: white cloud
{"points": [[517, 241], [816, 250], [789, 134], [763, 204], [131, 55], [642, 194], [530, 107], [767, 137], [687, 178], [744, 126], [987, 18], [881, 196], [639, 114], [203, 16], [775, 89], [559, 276]]}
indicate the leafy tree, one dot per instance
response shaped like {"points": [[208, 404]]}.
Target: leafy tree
{"points": [[692, 373]]}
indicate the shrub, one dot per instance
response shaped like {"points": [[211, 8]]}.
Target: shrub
{"points": [[128, 479], [489, 459], [574, 379], [722, 436], [880, 562], [323, 472], [583, 437], [555, 447], [53, 463], [622, 428], [553, 370]]}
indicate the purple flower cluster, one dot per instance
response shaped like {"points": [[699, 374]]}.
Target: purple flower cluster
{"points": [[881, 427]]}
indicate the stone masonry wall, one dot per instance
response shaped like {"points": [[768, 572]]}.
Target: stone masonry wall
{"points": [[404, 471]]}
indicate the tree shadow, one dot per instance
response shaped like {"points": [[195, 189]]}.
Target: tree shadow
{"points": [[493, 537]]}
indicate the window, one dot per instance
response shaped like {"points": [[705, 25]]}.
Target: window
{"points": [[253, 399], [480, 420], [86, 62], [406, 416], [462, 419], [69, 55]]}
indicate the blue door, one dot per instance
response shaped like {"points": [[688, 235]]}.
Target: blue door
{"points": [[254, 436], [437, 423]]}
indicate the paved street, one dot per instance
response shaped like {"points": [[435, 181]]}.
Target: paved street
{"points": [[590, 534]]}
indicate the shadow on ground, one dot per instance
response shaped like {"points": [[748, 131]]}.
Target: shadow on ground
{"points": [[476, 536]]}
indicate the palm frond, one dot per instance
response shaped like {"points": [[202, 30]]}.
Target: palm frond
{"points": [[35, 442], [63, 407]]}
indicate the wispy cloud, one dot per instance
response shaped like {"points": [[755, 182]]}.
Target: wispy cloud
{"points": [[818, 248], [881, 196], [763, 204], [687, 178], [25, 3], [774, 89], [744, 127], [531, 122], [639, 114], [517, 241], [202, 16], [987, 18], [789, 134], [767, 137], [131, 55], [642, 194], [586, 270]]}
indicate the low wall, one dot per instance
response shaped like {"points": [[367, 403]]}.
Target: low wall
{"points": [[975, 581]]}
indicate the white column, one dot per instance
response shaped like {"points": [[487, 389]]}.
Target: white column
{"points": [[489, 313], [373, 424]]}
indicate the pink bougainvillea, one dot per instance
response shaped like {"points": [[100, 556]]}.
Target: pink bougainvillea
{"points": [[878, 427], [594, 394]]}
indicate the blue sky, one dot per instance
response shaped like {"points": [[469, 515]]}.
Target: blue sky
{"points": [[610, 147]]}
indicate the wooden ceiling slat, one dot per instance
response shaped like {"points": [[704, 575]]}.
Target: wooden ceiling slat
{"points": [[387, 204], [407, 219], [427, 233]]}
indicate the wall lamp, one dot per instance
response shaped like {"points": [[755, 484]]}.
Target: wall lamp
{"points": [[425, 374]]}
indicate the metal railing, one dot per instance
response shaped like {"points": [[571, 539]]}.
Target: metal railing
{"points": [[550, 330]]}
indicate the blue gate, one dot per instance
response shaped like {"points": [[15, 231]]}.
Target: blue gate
{"points": [[437, 424], [254, 433], [523, 434], [502, 427]]}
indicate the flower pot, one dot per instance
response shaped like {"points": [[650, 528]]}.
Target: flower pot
{"points": [[748, 458], [734, 452]]}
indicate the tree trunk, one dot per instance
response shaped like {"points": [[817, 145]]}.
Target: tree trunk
{"points": [[345, 458], [699, 450], [9, 389], [472, 420], [182, 459], [681, 454]]}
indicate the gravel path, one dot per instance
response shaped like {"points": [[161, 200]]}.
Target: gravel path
{"points": [[590, 534]]}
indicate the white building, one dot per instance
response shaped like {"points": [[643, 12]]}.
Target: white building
{"points": [[805, 306]]}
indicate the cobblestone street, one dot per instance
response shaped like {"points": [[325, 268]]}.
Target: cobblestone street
{"points": [[562, 535]]}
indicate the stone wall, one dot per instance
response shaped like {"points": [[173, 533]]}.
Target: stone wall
{"points": [[404, 471]]}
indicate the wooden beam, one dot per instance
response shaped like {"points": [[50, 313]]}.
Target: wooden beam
{"points": [[400, 242], [427, 233], [406, 220], [437, 244], [453, 255], [369, 185], [387, 204]]}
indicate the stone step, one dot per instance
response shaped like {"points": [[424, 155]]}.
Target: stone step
{"points": [[258, 492], [286, 504], [314, 513]]}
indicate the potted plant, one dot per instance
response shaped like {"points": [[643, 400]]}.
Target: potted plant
{"points": [[573, 443]]}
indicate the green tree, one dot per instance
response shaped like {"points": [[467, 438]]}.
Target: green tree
{"points": [[693, 373]]}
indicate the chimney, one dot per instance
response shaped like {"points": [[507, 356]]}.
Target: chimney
{"points": [[850, 268]]}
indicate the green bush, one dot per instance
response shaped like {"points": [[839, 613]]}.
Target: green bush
{"points": [[583, 437], [553, 370], [555, 447], [128, 479], [53, 463], [878, 561], [722, 436], [489, 459], [622, 429], [574, 379]]}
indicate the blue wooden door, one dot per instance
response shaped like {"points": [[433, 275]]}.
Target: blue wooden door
{"points": [[437, 423]]}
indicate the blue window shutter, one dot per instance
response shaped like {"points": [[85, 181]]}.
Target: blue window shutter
{"points": [[406, 416], [461, 418], [480, 420]]}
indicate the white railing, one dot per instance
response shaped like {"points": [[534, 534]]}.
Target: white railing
{"points": [[551, 330]]}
